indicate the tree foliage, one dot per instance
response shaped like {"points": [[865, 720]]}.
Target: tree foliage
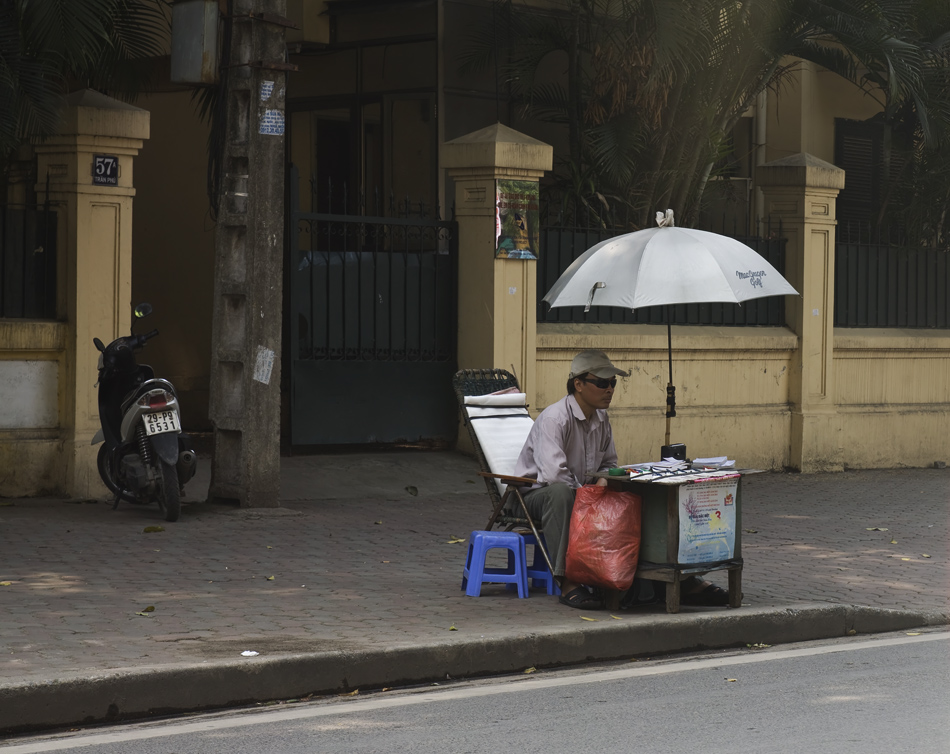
{"points": [[917, 138], [48, 47], [652, 89]]}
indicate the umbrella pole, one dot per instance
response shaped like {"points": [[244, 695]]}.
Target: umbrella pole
{"points": [[670, 389]]}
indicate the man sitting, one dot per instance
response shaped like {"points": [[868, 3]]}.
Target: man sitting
{"points": [[570, 442]]}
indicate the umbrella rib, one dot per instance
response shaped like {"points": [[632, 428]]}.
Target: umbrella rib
{"points": [[643, 256]]}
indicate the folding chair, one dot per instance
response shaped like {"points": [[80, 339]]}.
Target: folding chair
{"points": [[498, 424]]}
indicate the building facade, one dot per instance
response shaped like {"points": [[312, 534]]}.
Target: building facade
{"points": [[379, 90]]}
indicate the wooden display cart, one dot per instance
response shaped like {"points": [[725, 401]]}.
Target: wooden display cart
{"points": [[664, 505]]}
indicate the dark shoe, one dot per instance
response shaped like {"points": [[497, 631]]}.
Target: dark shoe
{"points": [[708, 596], [580, 598], [642, 592]]}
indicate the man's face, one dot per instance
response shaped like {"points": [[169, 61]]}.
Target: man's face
{"points": [[587, 391]]}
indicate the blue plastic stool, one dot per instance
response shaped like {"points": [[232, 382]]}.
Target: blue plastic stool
{"points": [[538, 571], [475, 573]]}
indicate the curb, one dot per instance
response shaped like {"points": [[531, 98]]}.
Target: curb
{"points": [[146, 692]]}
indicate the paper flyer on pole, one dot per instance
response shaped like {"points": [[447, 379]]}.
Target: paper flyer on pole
{"points": [[707, 520]]}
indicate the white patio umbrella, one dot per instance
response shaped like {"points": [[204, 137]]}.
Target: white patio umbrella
{"points": [[667, 265]]}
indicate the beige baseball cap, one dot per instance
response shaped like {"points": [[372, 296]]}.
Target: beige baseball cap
{"points": [[595, 363]]}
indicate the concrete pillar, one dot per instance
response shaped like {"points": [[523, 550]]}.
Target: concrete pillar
{"points": [[801, 191], [94, 216], [497, 298], [244, 404]]}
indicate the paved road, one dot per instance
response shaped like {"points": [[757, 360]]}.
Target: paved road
{"points": [[884, 693], [354, 562]]}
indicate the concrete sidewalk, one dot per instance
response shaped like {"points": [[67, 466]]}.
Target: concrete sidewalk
{"points": [[354, 583]]}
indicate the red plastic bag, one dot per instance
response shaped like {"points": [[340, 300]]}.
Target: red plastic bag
{"points": [[604, 542]]}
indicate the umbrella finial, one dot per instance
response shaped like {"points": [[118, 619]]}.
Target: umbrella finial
{"points": [[665, 221]]}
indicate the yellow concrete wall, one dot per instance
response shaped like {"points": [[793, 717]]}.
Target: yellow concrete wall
{"points": [[731, 387], [173, 250], [313, 25], [801, 116], [31, 458], [732, 391], [893, 397]]}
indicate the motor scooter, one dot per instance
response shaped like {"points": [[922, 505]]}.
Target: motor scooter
{"points": [[144, 457]]}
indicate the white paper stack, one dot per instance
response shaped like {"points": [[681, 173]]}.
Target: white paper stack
{"points": [[719, 462]]}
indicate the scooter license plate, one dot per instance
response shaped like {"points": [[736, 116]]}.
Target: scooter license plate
{"points": [[161, 421]]}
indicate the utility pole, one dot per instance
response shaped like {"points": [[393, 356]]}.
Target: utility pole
{"points": [[249, 251]]}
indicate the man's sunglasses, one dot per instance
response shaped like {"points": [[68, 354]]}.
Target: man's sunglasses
{"points": [[600, 382]]}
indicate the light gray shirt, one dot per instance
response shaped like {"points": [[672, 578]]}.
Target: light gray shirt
{"points": [[563, 446]]}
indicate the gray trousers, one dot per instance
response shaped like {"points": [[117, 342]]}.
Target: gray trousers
{"points": [[552, 505]]}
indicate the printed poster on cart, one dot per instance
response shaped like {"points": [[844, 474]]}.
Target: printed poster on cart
{"points": [[708, 520]]}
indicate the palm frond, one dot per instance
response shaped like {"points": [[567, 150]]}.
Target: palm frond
{"points": [[65, 29]]}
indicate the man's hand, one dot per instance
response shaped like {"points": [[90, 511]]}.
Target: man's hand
{"points": [[601, 481]]}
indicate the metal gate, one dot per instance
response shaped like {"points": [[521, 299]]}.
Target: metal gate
{"points": [[27, 262], [372, 328]]}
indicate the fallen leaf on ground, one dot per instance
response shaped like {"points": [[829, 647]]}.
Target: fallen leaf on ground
{"points": [[851, 632], [412, 490], [6, 583], [914, 633], [386, 688], [893, 541], [149, 609], [616, 617], [270, 578], [269, 547], [352, 693], [592, 620], [453, 540], [758, 646], [377, 522], [905, 558], [452, 628], [145, 615], [530, 670], [731, 680], [751, 531], [876, 528], [153, 529], [924, 555]]}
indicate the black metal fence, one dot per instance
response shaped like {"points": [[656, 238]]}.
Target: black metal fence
{"points": [[560, 246], [27, 262], [879, 285], [372, 288]]}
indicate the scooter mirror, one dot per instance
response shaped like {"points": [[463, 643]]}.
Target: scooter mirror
{"points": [[140, 311]]}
